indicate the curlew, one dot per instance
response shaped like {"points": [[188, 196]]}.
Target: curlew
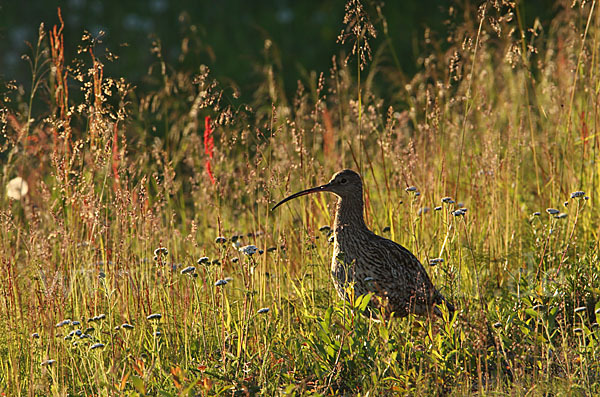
{"points": [[370, 263]]}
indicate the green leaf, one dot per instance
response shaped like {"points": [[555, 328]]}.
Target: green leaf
{"points": [[138, 384]]}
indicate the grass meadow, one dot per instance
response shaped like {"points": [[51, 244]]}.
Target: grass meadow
{"points": [[128, 216]]}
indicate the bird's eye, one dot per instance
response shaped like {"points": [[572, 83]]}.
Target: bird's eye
{"points": [[343, 180]]}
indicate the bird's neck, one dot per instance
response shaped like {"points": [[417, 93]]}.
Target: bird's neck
{"points": [[349, 214]]}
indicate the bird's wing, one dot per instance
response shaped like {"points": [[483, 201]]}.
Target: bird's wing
{"points": [[404, 266]]}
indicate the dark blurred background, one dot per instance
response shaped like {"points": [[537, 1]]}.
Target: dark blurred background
{"points": [[227, 35]]}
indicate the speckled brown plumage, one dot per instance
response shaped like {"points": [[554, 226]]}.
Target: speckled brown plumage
{"points": [[372, 263]]}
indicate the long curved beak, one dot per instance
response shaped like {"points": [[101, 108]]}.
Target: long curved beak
{"points": [[322, 188]]}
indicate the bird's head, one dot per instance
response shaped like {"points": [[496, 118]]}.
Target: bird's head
{"points": [[344, 184]]}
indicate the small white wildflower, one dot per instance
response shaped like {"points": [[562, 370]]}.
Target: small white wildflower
{"points": [[539, 307], [126, 326], [417, 194], [411, 189], [63, 322], [552, 211], [447, 200], [438, 208], [154, 316], [203, 260], [220, 240], [189, 269], [74, 323], [577, 194], [561, 215], [435, 261], [96, 346], [263, 310], [497, 325], [536, 213], [566, 203], [35, 335], [578, 330], [220, 282], [423, 210], [48, 362], [586, 197], [580, 309], [249, 250], [17, 188], [229, 279], [458, 213]]}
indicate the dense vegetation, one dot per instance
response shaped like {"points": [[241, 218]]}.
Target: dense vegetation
{"points": [[129, 216]]}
